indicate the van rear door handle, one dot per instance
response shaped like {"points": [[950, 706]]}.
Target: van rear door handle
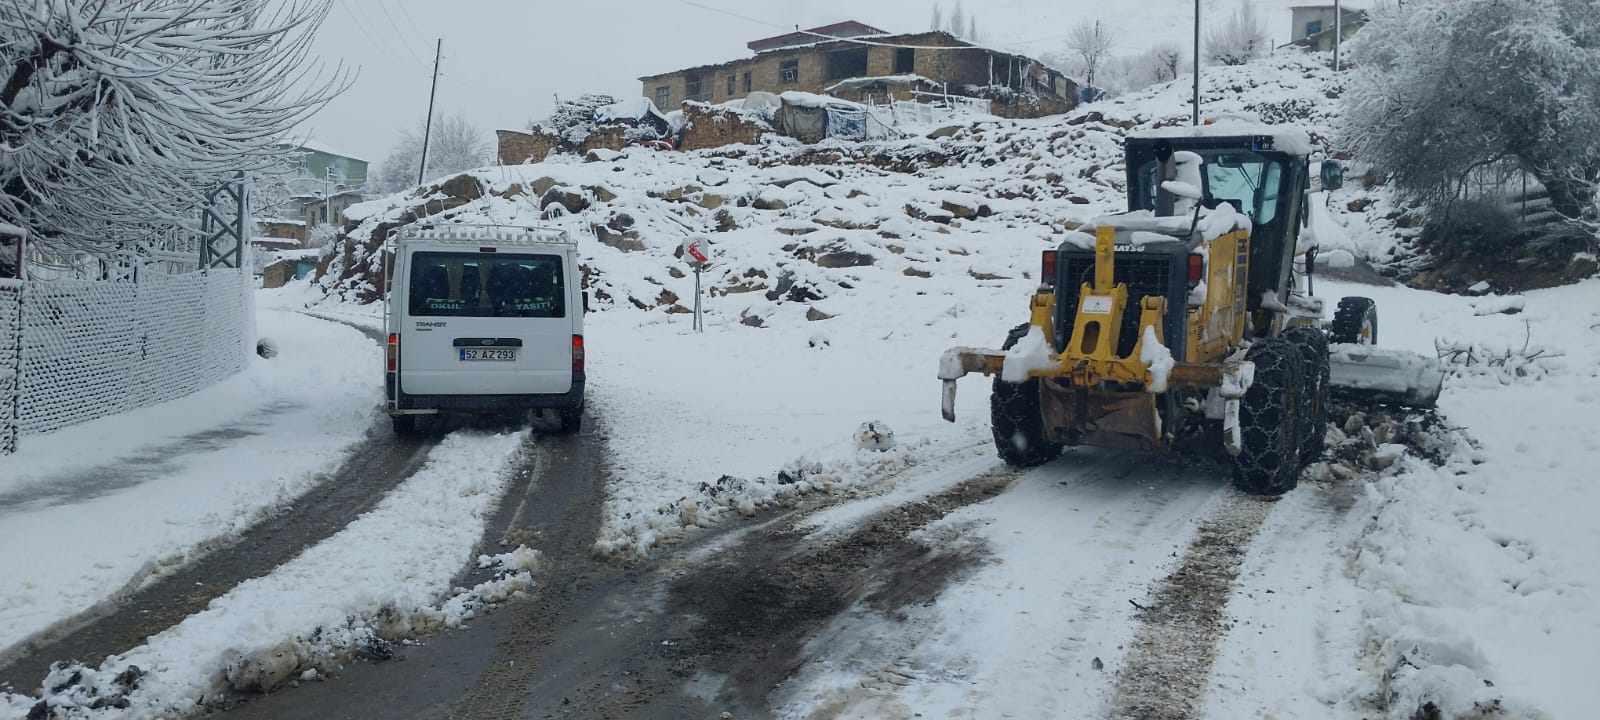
{"points": [[486, 342]]}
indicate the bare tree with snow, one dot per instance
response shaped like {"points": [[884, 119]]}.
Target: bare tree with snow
{"points": [[1442, 88], [122, 113], [1164, 59], [1090, 43], [958, 20], [938, 18], [1239, 39], [454, 145]]}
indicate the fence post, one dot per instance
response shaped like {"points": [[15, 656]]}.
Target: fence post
{"points": [[11, 407]]}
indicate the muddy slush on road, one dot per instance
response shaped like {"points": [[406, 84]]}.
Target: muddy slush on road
{"points": [[710, 627]]}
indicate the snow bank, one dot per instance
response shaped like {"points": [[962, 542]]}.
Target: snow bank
{"points": [[401, 555], [72, 537]]}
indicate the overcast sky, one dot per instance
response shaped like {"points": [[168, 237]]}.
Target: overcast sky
{"points": [[505, 61]]}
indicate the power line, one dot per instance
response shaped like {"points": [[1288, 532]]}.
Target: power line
{"points": [[401, 35], [383, 50], [732, 14], [406, 15]]}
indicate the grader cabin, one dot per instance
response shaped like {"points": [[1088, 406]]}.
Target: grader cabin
{"points": [[917, 66]]}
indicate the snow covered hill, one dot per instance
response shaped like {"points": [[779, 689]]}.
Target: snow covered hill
{"points": [[808, 218]]}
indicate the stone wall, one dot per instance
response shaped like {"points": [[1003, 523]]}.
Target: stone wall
{"points": [[709, 127], [608, 137], [516, 148], [1029, 106]]}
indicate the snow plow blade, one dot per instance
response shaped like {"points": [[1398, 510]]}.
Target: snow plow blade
{"points": [[1364, 372]]}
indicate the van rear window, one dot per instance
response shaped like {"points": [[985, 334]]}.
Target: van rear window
{"points": [[482, 285]]}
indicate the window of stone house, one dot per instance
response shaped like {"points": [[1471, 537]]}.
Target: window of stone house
{"points": [[1313, 27], [789, 71], [693, 87], [731, 80], [905, 60], [663, 96], [747, 83], [847, 64]]}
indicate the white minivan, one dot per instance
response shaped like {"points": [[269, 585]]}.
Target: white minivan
{"points": [[483, 319]]}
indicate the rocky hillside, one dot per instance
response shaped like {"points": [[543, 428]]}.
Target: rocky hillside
{"points": [[795, 226]]}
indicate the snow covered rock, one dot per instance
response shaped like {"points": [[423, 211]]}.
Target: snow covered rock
{"points": [[266, 669], [874, 435]]}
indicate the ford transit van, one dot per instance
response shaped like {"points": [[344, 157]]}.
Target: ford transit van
{"points": [[483, 320]]}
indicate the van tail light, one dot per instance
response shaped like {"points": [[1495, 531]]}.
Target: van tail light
{"points": [[1197, 268], [1047, 267], [391, 353], [577, 353]]}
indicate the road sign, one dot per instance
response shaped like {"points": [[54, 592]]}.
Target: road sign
{"points": [[697, 252], [696, 249]]}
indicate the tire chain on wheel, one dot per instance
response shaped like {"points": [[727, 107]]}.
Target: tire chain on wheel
{"points": [[1313, 415], [1267, 462], [1014, 409]]}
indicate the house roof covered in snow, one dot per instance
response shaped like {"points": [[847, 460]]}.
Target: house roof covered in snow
{"points": [[846, 29]]}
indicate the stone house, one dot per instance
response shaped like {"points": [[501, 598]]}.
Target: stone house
{"points": [[1311, 27], [865, 64], [280, 229]]}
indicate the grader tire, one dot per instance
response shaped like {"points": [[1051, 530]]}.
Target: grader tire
{"points": [[1355, 321], [1015, 417], [1313, 416], [1268, 459]]}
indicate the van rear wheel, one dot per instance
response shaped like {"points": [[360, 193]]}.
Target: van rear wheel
{"points": [[571, 420], [404, 425]]}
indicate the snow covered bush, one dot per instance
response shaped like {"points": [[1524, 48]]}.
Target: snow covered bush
{"points": [[1506, 365], [1239, 39], [454, 145], [125, 112], [1441, 88], [573, 120]]}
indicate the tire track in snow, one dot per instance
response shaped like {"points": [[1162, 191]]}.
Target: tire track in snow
{"points": [[378, 464], [1165, 673], [373, 467], [1080, 534]]}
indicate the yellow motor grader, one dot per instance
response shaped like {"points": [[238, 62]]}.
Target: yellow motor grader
{"points": [[1184, 318]]}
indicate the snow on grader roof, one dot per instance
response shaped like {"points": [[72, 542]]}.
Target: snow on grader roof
{"points": [[1144, 227], [1285, 138]]}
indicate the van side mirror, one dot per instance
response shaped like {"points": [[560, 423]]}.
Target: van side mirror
{"points": [[586, 301], [1332, 175]]}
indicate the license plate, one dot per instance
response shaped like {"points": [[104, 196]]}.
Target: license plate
{"points": [[1097, 305], [488, 354]]}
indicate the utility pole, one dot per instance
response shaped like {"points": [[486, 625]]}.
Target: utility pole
{"points": [[1197, 62], [1338, 33], [327, 194], [427, 127]]}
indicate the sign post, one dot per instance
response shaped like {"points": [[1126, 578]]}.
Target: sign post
{"points": [[697, 252]]}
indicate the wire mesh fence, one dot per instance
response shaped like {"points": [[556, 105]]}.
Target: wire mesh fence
{"points": [[76, 350]]}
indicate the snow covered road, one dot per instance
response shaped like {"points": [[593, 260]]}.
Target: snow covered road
{"points": [[89, 513]]}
